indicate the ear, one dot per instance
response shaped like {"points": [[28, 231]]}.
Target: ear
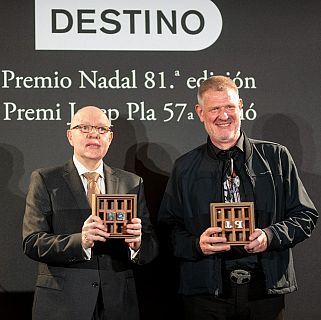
{"points": [[199, 111], [240, 104], [110, 137], [69, 137]]}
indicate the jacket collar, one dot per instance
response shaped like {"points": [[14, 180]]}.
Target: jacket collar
{"points": [[73, 180], [248, 148], [111, 180]]}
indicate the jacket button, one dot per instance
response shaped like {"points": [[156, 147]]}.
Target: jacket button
{"points": [[95, 284]]}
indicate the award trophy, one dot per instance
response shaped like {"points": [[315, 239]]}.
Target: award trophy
{"points": [[116, 211], [236, 220]]}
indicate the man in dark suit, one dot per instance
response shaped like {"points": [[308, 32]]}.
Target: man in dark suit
{"points": [[82, 273]]}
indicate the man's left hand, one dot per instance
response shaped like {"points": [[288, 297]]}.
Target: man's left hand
{"points": [[134, 228], [258, 242]]}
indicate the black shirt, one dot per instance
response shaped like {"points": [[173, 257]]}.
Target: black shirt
{"points": [[237, 257]]}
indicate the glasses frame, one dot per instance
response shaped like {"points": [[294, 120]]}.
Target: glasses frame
{"points": [[98, 129]]}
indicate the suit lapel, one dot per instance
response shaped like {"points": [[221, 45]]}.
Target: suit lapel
{"points": [[73, 180], [75, 185], [111, 180]]}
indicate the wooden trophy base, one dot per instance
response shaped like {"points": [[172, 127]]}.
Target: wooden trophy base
{"points": [[116, 211], [235, 219]]}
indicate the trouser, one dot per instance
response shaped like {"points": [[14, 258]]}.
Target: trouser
{"points": [[99, 308], [239, 301]]}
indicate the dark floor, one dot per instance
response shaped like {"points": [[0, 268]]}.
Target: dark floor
{"points": [[16, 305]]}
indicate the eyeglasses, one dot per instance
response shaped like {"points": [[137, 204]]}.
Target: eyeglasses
{"points": [[86, 128]]}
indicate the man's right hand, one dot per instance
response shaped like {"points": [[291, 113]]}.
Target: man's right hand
{"points": [[210, 243], [93, 230]]}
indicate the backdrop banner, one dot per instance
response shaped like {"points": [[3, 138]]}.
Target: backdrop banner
{"points": [[141, 62]]}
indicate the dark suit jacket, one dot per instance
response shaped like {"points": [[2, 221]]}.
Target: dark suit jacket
{"points": [[68, 284]]}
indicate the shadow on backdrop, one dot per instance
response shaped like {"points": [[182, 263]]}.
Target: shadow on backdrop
{"points": [[156, 282], [17, 275], [296, 134]]}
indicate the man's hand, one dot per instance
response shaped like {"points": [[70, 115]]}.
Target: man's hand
{"points": [[210, 243], [93, 230], [134, 228], [258, 242]]}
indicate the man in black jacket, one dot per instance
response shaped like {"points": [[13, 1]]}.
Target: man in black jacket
{"points": [[219, 281]]}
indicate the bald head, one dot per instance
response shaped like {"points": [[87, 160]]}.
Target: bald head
{"points": [[85, 114], [90, 146]]}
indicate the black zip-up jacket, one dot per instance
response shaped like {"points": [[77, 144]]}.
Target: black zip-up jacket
{"points": [[283, 210]]}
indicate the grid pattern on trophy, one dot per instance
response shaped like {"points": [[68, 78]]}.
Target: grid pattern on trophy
{"points": [[116, 211], [235, 219]]}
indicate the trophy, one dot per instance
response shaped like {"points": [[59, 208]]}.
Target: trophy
{"points": [[236, 220], [116, 211]]}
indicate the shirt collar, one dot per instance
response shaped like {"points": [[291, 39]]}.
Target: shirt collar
{"points": [[239, 146], [82, 169]]}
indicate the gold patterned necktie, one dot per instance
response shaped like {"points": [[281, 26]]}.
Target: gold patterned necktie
{"points": [[92, 184]]}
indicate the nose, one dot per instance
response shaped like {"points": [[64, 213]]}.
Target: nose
{"points": [[223, 113], [93, 128], [93, 132]]}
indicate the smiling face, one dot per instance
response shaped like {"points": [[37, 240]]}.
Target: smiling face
{"points": [[220, 112], [89, 148]]}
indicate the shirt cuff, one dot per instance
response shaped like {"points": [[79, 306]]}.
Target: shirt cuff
{"points": [[87, 253], [133, 254]]}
